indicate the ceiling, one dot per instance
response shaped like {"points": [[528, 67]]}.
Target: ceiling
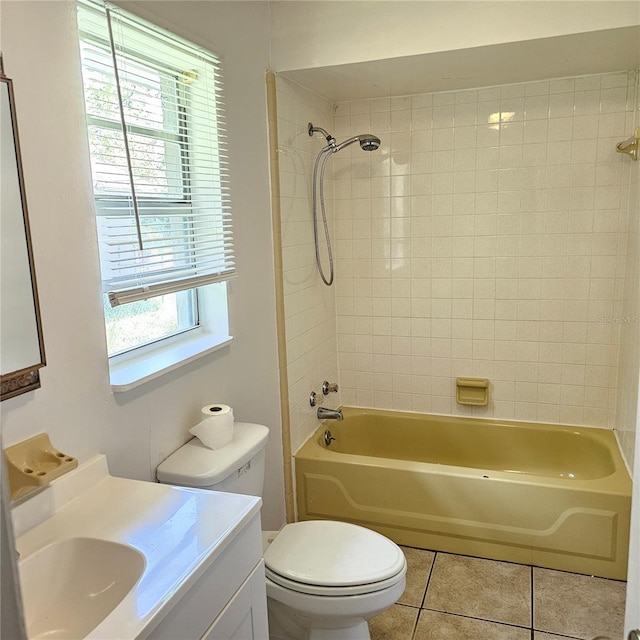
{"points": [[526, 61]]}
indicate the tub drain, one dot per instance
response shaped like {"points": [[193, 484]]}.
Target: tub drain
{"points": [[328, 437]]}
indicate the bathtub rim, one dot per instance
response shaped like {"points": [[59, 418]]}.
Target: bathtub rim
{"points": [[618, 483]]}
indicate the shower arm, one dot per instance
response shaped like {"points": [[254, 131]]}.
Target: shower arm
{"points": [[630, 145], [329, 138]]}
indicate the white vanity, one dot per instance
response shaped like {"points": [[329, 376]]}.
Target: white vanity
{"points": [[136, 559]]}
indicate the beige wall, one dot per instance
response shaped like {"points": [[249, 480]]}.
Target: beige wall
{"points": [[136, 430], [318, 34], [472, 247]]}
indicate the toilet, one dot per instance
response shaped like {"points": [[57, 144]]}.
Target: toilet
{"points": [[324, 579]]}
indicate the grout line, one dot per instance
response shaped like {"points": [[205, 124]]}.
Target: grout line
{"points": [[469, 617], [532, 605], [424, 595], [426, 588], [415, 625], [461, 615]]}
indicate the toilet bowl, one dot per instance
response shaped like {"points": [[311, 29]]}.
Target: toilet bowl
{"points": [[324, 579]]}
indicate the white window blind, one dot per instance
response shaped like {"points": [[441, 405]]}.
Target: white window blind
{"points": [[155, 116]]}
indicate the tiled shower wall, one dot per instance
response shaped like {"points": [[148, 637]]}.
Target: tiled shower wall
{"points": [[310, 314], [629, 363], [486, 237]]}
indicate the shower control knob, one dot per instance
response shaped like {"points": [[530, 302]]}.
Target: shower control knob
{"points": [[329, 387]]}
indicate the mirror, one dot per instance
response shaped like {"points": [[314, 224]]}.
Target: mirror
{"points": [[21, 344]]}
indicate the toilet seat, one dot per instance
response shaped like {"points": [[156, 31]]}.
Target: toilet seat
{"points": [[328, 558], [315, 590]]}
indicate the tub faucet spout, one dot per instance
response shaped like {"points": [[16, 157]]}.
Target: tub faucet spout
{"points": [[329, 414]]}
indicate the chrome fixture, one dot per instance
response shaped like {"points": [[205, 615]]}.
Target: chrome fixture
{"points": [[329, 387], [329, 414], [313, 398], [630, 145], [327, 437], [368, 142], [311, 130]]}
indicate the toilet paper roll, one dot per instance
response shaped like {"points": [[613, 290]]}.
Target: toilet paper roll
{"points": [[216, 430], [216, 410]]}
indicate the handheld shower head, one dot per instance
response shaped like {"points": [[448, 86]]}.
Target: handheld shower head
{"points": [[368, 142]]}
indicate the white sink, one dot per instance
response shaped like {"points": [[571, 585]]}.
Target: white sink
{"points": [[106, 558], [70, 586]]}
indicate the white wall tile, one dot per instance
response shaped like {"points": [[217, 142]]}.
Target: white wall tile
{"points": [[502, 236]]}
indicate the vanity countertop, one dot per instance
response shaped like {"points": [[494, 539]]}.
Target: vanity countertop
{"points": [[179, 531]]}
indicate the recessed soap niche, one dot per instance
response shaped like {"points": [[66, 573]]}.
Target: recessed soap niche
{"points": [[472, 391]]}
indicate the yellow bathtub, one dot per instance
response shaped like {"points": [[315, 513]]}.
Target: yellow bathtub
{"points": [[549, 495]]}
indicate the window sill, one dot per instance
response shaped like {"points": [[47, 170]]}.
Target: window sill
{"points": [[134, 371]]}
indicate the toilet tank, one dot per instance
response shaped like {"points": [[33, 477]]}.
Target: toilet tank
{"points": [[236, 468]]}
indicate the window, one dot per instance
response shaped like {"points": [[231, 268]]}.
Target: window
{"points": [[155, 119]]}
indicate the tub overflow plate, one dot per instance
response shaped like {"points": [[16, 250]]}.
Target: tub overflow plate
{"points": [[328, 437]]}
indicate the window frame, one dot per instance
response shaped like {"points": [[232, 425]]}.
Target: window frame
{"points": [[152, 206], [147, 361]]}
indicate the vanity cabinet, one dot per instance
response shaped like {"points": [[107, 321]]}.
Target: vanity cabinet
{"points": [[228, 600], [245, 617]]}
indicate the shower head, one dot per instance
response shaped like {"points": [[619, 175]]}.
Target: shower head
{"points": [[368, 142]]}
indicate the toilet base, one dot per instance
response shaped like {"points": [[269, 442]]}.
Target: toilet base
{"points": [[283, 627], [359, 632]]}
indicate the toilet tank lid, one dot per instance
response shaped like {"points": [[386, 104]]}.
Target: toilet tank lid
{"points": [[195, 465]]}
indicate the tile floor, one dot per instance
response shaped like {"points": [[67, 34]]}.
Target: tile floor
{"points": [[451, 597]]}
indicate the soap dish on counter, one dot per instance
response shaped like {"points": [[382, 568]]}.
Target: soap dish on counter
{"points": [[34, 463]]}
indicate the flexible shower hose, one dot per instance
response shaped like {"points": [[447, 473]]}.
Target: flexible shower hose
{"points": [[324, 154]]}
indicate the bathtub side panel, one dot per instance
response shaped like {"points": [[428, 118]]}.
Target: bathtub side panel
{"points": [[558, 527]]}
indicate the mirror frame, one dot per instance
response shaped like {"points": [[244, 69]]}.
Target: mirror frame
{"points": [[26, 379]]}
